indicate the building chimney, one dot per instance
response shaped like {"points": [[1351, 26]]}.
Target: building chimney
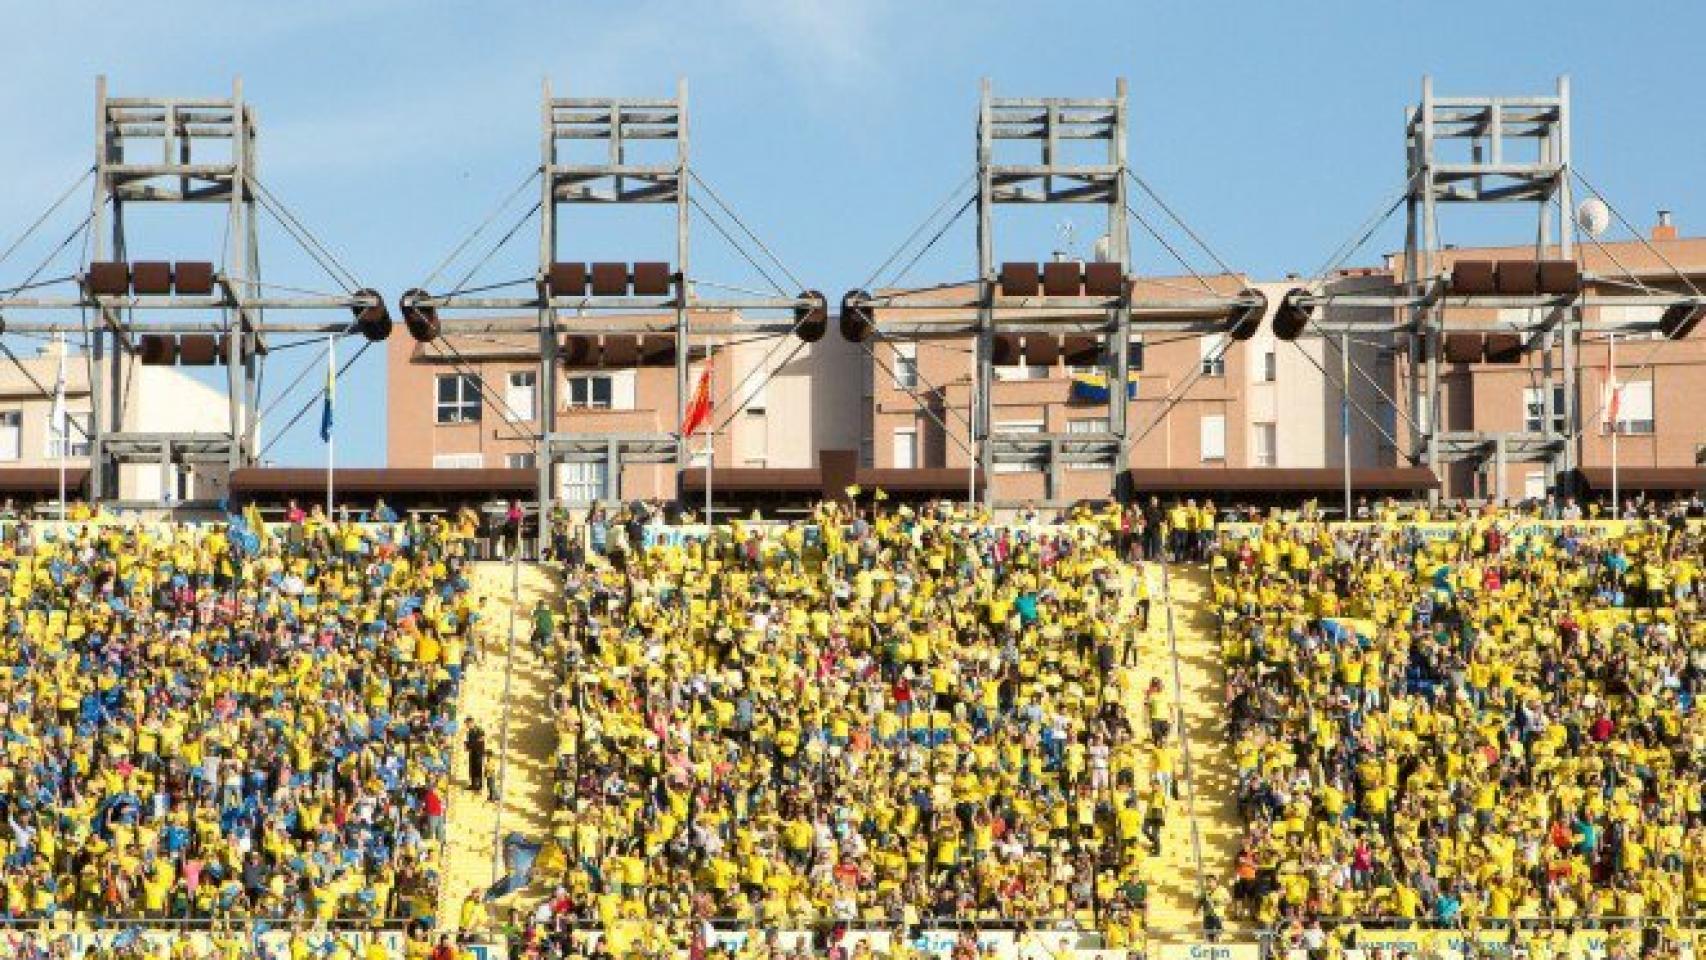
{"points": [[1664, 229]]}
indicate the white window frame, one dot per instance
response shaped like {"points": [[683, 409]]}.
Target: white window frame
{"points": [[1087, 425], [1534, 485], [1270, 366], [458, 461], [464, 407], [904, 439], [1211, 355], [521, 394], [582, 482], [1534, 408], [1211, 434], [12, 424], [77, 439], [587, 384], [1635, 409], [1269, 457], [1017, 426], [521, 461], [906, 366]]}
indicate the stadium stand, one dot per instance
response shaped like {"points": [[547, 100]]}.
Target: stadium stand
{"points": [[921, 716], [1476, 724], [221, 722]]}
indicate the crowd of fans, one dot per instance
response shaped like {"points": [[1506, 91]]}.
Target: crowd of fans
{"points": [[219, 722], [895, 717], [1496, 724]]}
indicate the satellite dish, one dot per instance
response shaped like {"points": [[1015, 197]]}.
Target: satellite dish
{"points": [[1103, 249], [1593, 216]]}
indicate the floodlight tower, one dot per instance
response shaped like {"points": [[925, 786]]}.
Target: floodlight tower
{"points": [[1052, 179], [168, 151], [1518, 152], [610, 315]]}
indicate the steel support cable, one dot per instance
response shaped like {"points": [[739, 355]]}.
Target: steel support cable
{"points": [[918, 230], [922, 405], [963, 418], [45, 392], [1177, 393], [1146, 188], [770, 374], [278, 209], [1355, 241], [716, 225], [330, 269], [1636, 233], [33, 227], [895, 281], [500, 406], [34, 275], [462, 285], [1359, 408], [745, 229], [300, 376], [475, 234], [1149, 228], [303, 412]]}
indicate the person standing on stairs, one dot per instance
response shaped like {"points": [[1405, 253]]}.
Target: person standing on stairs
{"points": [[476, 746]]}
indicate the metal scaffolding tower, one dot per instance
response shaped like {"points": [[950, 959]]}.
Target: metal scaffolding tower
{"points": [[581, 300], [1058, 299], [166, 151]]}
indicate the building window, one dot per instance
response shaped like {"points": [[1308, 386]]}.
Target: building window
{"points": [[591, 392], [1534, 409], [1263, 441], [79, 426], [1213, 437], [1270, 366], [1087, 425], [11, 434], [1635, 408], [906, 448], [458, 461], [520, 392], [582, 482], [458, 398], [1017, 427], [1023, 372], [906, 366], [1534, 485], [1134, 356], [1213, 355], [521, 461]]}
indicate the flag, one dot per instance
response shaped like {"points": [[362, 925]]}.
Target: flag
{"points": [[331, 392], [58, 416], [1613, 390], [699, 410]]}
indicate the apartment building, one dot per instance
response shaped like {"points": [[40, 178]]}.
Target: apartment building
{"points": [[160, 399], [1659, 441], [473, 401]]}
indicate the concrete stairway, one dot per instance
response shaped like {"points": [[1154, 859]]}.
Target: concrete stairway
{"points": [[1198, 704], [469, 855]]}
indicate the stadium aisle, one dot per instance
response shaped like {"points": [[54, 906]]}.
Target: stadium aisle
{"points": [[527, 806], [1173, 914]]}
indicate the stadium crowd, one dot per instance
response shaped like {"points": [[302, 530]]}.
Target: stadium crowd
{"points": [[215, 721], [1491, 722], [909, 715]]}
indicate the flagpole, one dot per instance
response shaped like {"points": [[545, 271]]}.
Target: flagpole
{"points": [[1611, 365], [331, 435], [710, 464], [61, 422]]}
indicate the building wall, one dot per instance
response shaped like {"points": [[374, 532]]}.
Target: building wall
{"points": [[159, 400], [777, 423]]}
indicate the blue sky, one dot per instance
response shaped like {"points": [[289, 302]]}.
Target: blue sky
{"points": [[393, 128]]}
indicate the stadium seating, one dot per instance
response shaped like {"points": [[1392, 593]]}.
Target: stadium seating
{"points": [[1493, 721], [916, 717], [215, 721]]}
